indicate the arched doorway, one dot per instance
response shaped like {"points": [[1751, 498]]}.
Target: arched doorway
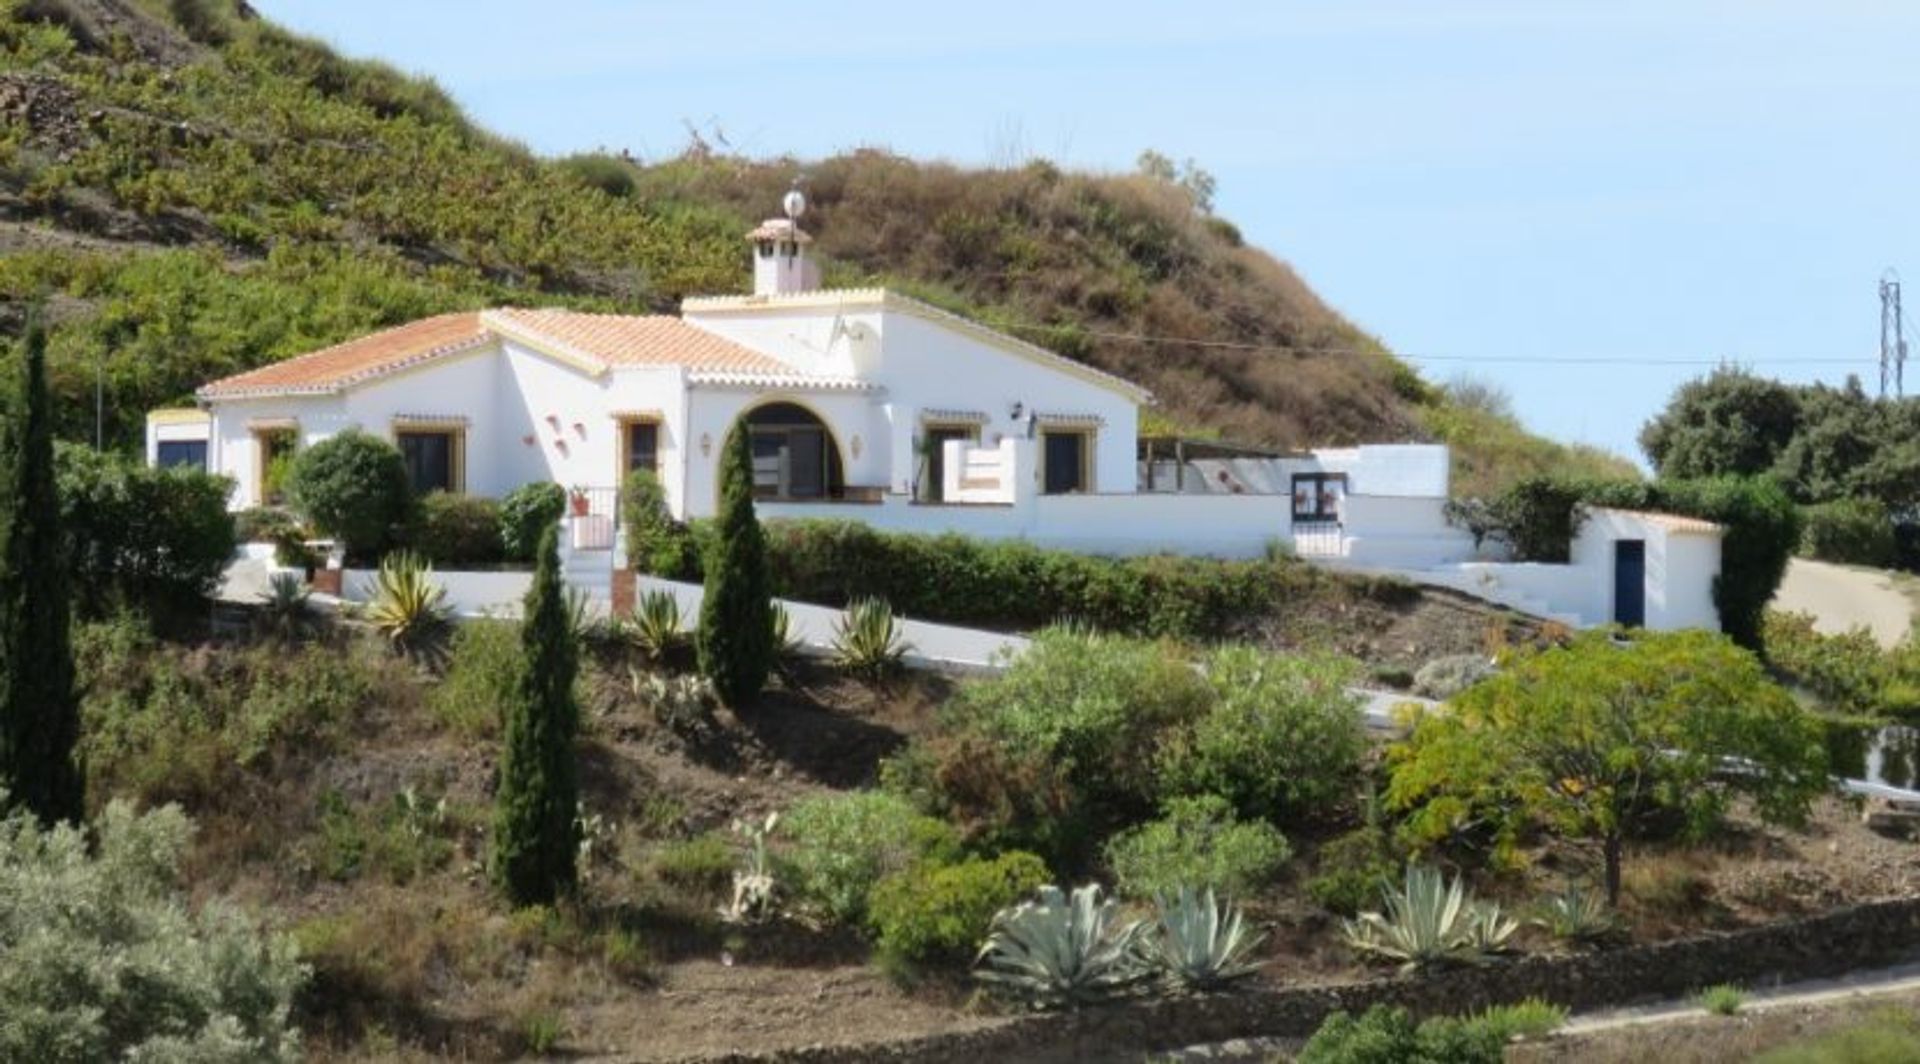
{"points": [[794, 453]]}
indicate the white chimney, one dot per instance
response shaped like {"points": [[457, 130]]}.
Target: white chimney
{"points": [[780, 263]]}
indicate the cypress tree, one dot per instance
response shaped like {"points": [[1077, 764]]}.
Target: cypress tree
{"points": [[536, 836], [736, 615], [39, 711]]}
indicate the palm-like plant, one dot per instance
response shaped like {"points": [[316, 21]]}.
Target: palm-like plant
{"points": [[786, 645], [1203, 944], [408, 608], [867, 640], [1060, 950], [655, 625], [283, 607], [1430, 921]]}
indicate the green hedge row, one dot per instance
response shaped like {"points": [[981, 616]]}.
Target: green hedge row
{"points": [[956, 579]]}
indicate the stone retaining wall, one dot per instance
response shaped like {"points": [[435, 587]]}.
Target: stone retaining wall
{"points": [[1862, 936]]}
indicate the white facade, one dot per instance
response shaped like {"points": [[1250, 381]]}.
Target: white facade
{"points": [[867, 405]]}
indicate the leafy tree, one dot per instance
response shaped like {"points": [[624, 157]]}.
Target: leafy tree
{"points": [[536, 834], [1728, 422], [736, 616], [354, 487], [39, 709], [1600, 740]]}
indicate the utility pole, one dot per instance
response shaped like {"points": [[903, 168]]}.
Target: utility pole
{"points": [[1893, 336]]}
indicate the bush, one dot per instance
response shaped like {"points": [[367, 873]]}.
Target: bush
{"points": [[1856, 531], [1096, 707], [263, 524], [1353, 869], [959, 580], [107, 960], [999, 796], [353, 487], [143, 538], [1388, 1035], [483, 669], [656, 543], [1282, 739], [165, 723], [840, 845], [1442, 678], [525, 515], [932, 913], [459, 531], [1848, 673], [1722, 999], [704, 863], [1197, 843]]}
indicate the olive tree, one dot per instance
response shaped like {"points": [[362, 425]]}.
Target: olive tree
{"points": [[1602, 737]]}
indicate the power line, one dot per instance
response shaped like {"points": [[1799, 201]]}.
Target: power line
{"points": [[1271, 348]]}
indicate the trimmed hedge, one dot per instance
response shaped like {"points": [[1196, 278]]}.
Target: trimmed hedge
{"points": [[153, 539], [459, 530]]}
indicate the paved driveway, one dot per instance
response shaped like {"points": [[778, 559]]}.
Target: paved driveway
{"points": [[1842, 597]]}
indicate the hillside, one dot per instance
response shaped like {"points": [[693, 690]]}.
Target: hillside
{"points": [[192, 191]]}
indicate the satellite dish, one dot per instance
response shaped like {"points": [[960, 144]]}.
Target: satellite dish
{"points": [[795, 204]]}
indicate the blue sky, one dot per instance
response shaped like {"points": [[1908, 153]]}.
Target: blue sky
{"points": [[1504, 184]]}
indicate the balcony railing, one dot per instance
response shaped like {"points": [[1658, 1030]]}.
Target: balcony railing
{"points": [[592, 517]]}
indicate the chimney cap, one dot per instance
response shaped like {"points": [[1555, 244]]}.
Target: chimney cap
{"points": [[780, 229]]}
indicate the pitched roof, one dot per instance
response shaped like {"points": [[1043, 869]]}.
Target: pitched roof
{"points": [[887, 299], [1670, 522], [626, 340], [595, 342], [332, 368]]}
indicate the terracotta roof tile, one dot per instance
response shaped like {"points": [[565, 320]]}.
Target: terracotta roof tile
{"points": [[626, 340], [1670, 522], [341, 364], [600, 340]]}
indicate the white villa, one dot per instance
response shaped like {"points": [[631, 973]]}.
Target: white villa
{"points": [[865, 404]]}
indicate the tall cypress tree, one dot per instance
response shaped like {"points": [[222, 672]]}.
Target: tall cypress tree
{"points": [[536, 836], [39, 711], [736, 615]]}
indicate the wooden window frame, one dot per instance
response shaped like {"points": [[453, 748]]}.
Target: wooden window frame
{"points": [[1089, 438], [456, 447], [623, 445], [935, 491]]}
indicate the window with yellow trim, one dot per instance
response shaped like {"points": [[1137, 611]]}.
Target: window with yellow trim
{"points": [[435, 459]]}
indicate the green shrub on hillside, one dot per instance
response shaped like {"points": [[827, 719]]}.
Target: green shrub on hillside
{"points": [[163, 723], [656, 543], [107, 958], [483, 670], [1352, 869], [1197, 843], [1855, 531], [1282, 739], [459, 531], [141, 538], [940, 913], [840, 845]]}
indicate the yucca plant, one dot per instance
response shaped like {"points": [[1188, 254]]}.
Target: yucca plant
{"points": [[867, 640], [408, 608], [283, 607], [1058, 950], [1577, 914], [1430, 921], [786, 645], [654, 625], [682, 704], [580, 617], [1202, 943], [753, 883]]}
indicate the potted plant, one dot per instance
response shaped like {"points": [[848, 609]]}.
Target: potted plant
{"points": [[577, 501]]}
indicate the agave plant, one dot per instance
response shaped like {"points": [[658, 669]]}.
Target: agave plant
{"points": [[655, 625], [1202, 944], [786, 645], [283, 607], [1060, 950], [409, 608], [1576, 914], [1430, 921], [867, 640], [682, 704]]}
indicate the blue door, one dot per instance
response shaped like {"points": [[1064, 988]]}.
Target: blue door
{"points": [[1630, 582]]}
